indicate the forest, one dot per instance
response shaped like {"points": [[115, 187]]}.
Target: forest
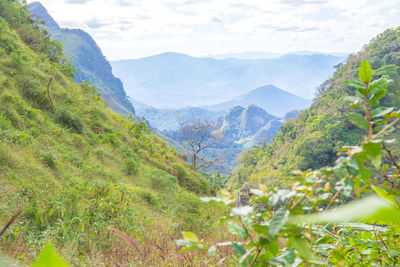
{"points": [[81, 185]]}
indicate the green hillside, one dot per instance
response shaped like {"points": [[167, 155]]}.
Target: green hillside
{"points": [[88, 59], [94, 183], [311, 141]]}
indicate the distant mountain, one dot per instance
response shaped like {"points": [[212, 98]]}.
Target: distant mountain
{"points": [[242, 122], [270, 98], [241, 128], [269, 55], [88, 59], [174, 80], [248, 55]]}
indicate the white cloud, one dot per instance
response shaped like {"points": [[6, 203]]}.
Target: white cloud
{"points": [[135, 28]]}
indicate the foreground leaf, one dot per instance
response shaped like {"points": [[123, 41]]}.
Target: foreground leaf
{"points": [[371, 209], [365, 72], [358, 120], [237, 230], [191, 237], [278, 221], [49, 257], [385, 195], [302, 246]]}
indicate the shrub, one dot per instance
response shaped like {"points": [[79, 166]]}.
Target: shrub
{"points": [[148, 196], [6, 157], [70, 120], [196, 184], [161, 180], [49, 160], [188, 202], [131, 166]]}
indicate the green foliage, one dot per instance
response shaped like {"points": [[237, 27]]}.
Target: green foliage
{"points": [[162, 181], [149, 196], [70, 120], [49, 257], [49, 160], [131, 166], [301, 219]]}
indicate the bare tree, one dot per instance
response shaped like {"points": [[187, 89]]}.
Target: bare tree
{"points": [[196, 137]]}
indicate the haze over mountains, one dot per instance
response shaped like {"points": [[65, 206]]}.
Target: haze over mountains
{"points": [[267, 55], [175, 80], [272, 99]]}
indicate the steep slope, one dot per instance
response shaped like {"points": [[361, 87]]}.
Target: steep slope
{"points": [[88, 59], [269, 97], [311, 140], [84, 176], [174, 80]]}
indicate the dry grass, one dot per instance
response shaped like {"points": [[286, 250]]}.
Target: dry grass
{"points": [[157, 250]]}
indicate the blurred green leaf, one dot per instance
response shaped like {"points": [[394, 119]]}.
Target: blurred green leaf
{"points": [[371, 209], [358, 120], [378, 87], [237, 230], [49, 257], [385, 195], [302, 246], [261, 229], [373, 153], [238, 248], [191, 237], [365, 72], [359, 86], [278, 221], [378, 112]]}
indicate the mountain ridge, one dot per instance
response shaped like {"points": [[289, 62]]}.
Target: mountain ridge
{"points": [[269, 97], [174, 80]]}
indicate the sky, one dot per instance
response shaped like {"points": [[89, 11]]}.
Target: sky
{"points": [[126, 29]]}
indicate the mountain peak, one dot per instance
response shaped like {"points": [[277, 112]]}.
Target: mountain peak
{"points": [[269, 98], [243, 122], [38, 11]]}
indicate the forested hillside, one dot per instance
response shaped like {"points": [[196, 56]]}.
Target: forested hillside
{"points": [[311, 141], [97, 185]]}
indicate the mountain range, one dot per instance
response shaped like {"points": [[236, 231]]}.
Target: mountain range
{"points": [[266, 55], [87, 58], [175, 80]]}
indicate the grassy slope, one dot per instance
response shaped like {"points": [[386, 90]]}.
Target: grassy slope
{"points": [[77, 168], [311, 141]]}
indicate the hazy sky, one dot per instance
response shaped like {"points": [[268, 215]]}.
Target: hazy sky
{"points": [[138, 28]]}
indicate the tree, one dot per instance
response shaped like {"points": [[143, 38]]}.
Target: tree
{"points": [[196, 137]]}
